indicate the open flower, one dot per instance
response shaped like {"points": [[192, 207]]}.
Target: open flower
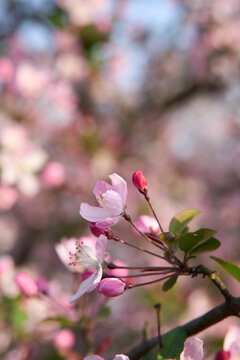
{"points": [[86, 257], [112, 200], [193, 349]]}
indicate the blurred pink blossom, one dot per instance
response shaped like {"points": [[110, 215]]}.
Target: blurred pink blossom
{"points": [[53, 175], [112, 200], [147, 224], [6, 69], [26, 284], [231, 342], [193, 349], [64, 340], [8, 197]]}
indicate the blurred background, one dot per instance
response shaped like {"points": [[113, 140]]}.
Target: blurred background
{"points": [[88, 88]]}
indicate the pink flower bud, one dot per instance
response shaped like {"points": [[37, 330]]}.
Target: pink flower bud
{"points": [[96, 231], [111, 287], [139, 181], [26, 284], [64, 340], [53, 175], [42, 284], [223, 355]]}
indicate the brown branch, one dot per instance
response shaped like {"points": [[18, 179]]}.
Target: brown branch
{"points": [[212, 317]]}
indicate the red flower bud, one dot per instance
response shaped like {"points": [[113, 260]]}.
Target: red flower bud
{"points": [[223, 355], [139, 181]]}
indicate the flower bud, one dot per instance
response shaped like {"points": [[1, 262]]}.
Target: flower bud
{"points": [[223, 355], [139, 181], [64, 340], [26, 284], [111, 287]]}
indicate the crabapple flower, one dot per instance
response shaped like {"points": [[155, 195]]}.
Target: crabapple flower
{"points": [[139, 181], [67, 247], [147, 224], [64, 340], [112, 200], [26, 284], [87, 258], [53, 175], [111, 287], [231, 342], [193, 349]]}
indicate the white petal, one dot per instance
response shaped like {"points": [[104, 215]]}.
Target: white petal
{"points": [[113, 203], [101, 187], [101, 245], [88, 285], [193, 349], [109, 222], [119, 185], [93, 213]]}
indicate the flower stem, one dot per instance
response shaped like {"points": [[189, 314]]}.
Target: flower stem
{"points": [[130, 286]]}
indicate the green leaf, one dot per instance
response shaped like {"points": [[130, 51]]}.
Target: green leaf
{"points": [[179, 222], [209, 245], [232, 269], [190, 240], [173, 343], [205, 234], [169, 283]]}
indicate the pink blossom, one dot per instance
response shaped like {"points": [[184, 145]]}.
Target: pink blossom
{"points": [[112, 200], [86, 257], [111, 287], [231, 342], [139, 181], [6, 69], [53, 175], [8, 197], [193, 349], [64, 340], [147, 224], [26, 284]]}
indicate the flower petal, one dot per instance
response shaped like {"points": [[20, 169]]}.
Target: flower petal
{"points": [[93, 357], [113, 203], [121, 357], [109, 222], [101, 245], [88, 285], [231, 342], [93, 213], [119, 185], [101, 187], [193, 349]]}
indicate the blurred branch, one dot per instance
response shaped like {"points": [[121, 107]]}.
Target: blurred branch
{"points": [[212, 317]]}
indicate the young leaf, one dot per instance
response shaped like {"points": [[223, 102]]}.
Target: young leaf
{"points": [[208, 245], [173, 343], [169, 283], [180, 220], [232, 269], [189, 240]]}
